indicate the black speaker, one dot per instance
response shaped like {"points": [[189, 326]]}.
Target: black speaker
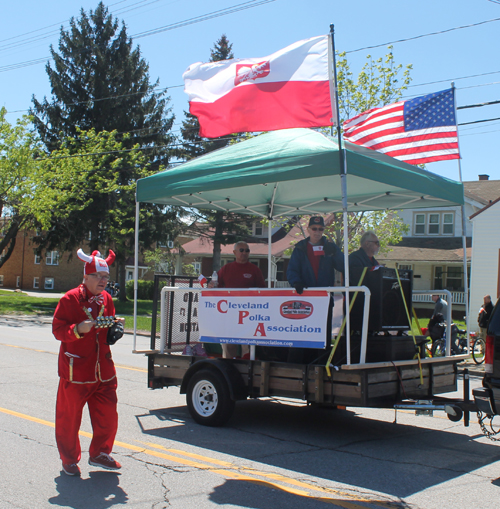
{"points": [[387, 308]]}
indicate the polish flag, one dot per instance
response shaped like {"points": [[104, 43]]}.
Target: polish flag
{"points": [[203, 280], [290, 88]]}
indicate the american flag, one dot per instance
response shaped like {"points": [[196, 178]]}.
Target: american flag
{"points": [[420, 130]]}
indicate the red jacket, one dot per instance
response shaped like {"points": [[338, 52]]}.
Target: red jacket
{"points": [[83, 358]]}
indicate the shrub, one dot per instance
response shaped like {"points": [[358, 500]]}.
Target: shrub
{"points": [[144, 289]]}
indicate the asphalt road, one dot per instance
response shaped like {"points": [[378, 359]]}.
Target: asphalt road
{"points": [[272, 454]]}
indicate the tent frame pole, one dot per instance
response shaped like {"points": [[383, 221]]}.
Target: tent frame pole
{"points": [[343, 184]]}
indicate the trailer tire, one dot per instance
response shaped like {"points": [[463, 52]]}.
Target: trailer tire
{"points": [[208, 398], [457, 416]]}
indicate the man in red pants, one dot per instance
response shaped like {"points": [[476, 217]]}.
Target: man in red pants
{"points": [[86, 369]]}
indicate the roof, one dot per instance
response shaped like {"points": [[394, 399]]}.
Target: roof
{"points": [[483, 191], [485, 208], [434, 250], [203, 246]]}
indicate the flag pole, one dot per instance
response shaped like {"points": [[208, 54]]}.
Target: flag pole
{"points": [[343, 186], [464, 227]]}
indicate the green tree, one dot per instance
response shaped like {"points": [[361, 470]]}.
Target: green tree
{"points": [[379, 82], [223, 228], [86, 173], [100, 83], [23, 202]]}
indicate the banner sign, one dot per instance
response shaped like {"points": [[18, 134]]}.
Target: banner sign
{"points": [[264, 317]]}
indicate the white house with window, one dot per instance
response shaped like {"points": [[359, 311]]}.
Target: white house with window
{"points": [[433, 248]]}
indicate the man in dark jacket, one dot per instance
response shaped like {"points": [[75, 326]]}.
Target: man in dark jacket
{"points": [[314, 260], [313, 264], [365, 255]]}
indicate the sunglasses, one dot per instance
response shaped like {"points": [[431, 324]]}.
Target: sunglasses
{"points": [[375, 242], [317, 229], [241, 250], [102, 278]]}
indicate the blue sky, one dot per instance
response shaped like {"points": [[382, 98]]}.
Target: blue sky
{"points": [[467, 56]]}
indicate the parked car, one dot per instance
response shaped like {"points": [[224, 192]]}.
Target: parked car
{"points": [[487, 398]]}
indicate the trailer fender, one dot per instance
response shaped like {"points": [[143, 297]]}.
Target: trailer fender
{"points": [[237, 389]]}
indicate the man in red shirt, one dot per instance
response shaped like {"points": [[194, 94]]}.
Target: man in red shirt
{"points": [[86, 370], [239, 274]]}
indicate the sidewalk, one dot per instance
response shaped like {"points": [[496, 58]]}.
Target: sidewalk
{"points": [[45, 295]]}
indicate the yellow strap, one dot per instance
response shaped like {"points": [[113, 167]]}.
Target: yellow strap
{"points": [[337, 338], [409, 323]]}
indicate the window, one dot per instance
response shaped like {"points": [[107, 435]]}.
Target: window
{"points": [[280, 271], [259, 230], [448, 224], [52, 258], [197, 267], [37, 258], [49, 283], [454, 278], [448, 278], [438, 278], [434, 223], [18, 281], [1, 280], [402, 266], [419, 224], [36, 282]]}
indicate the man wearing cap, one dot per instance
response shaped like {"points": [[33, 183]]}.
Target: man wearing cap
{"points": [[239, 274], [314, 259], [313, 263], [365, 255], [86, 369]]}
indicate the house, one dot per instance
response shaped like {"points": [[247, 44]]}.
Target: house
{"points": [[199, 251], [433, 248], [485, 270]]}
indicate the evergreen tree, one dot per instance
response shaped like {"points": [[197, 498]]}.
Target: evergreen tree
{"points": [[100, 84], [223, 228]]}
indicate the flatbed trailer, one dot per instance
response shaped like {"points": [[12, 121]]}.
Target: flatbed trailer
{"points": [[212, 384]]}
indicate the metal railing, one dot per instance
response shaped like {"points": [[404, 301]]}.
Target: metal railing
{"points": [[166, 318]]}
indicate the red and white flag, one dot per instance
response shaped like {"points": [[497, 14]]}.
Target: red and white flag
{"points": [[202, 280], [290, 88], [420, 130]]}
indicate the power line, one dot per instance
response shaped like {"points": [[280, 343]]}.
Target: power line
{"points": [[480, 121], [477, 105], [425, 35]]}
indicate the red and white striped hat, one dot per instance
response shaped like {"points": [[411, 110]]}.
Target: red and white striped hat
{"points": [[95, 262]]}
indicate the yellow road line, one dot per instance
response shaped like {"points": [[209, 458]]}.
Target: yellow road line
{"points": [[130, 368], [228, 472]]}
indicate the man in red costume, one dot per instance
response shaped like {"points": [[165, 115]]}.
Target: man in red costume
{"points": [[86, 369], [239, 274]]}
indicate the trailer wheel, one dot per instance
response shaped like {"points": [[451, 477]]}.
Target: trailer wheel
{"points": [[208, 398], [457, 415]]}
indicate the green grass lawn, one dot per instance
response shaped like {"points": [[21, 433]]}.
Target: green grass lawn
{"points": [[18, 303]]}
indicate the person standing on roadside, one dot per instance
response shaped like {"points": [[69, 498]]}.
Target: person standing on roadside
{"points": [[484, 316], [86, 369]]}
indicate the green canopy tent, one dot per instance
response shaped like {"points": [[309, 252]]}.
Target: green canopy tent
{"points": [[296, 171], [293, 172]]}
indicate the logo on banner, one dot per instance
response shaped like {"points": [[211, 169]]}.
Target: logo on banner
{"points": [[296, 309], [245, 72]]}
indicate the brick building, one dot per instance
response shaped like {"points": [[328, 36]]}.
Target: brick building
{"points": [[31, 269]]}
